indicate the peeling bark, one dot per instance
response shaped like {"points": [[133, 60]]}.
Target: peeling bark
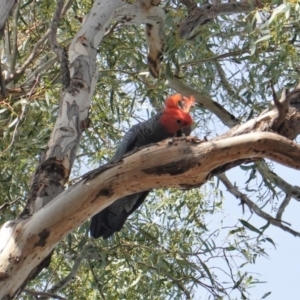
{"points": [[56, 162]]}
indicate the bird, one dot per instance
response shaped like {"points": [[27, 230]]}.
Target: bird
{"points": [[173, 121]]}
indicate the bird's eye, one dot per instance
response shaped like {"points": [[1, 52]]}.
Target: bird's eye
{"points": [[178, 121]]}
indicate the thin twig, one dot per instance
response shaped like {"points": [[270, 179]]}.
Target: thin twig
{"points": [[286, 187], [39, 295], [282, 106], [19, 119], [234, 191], [282, 206], [96, 280], [35, 50], [70, 277], [226, 85], [6, 204], [215, 57], [173, 279]]}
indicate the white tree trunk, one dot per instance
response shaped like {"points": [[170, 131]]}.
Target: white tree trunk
{"points": [[187, 162]]}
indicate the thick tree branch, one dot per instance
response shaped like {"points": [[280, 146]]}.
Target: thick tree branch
{"points": [[57, 161], [57, 48], [282, 106], [201, 15], [188, 162], [144, 12]]}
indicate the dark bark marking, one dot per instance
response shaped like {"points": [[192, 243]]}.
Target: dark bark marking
{"points": [[232, 117], [148, 29], [190, 186], [73, 109], [172, 169], [105, 192], [187, 150], [85, 124], [3, 276], [14, 259], [11, 224], [44, 234]]}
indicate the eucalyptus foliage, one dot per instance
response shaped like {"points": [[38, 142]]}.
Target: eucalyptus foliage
{"points": [[169, 249]]}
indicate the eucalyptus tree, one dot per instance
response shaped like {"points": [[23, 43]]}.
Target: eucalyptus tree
{"points": [[62, 113]]}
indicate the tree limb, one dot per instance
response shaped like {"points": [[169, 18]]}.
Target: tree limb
{"points": [[6, 7], [143, 12], [43, 295], [287, 188], [188, 162], [57, 48], [201, 15], [35, 50], [283, 206]]}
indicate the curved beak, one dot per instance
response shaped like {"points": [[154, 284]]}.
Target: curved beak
{"points": [[187, 130]]}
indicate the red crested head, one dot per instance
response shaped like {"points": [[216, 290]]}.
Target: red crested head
{"points": [[176, 117], [179, 101]]}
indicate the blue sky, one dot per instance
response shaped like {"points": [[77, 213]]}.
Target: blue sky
{"points": [[282, 269]]}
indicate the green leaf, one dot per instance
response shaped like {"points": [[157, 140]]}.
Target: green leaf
{"points": [[13, 122], [136, 281], [266, 295], [284, 7], [264, 38], [270, 241], [263, 228], [249, 226], [237, 284], [207, 271], [252, 47]]}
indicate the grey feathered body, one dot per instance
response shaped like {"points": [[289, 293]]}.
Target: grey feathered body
{"points": [[112, 218]]}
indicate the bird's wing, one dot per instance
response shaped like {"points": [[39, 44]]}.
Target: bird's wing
{"points": [[126, 145], [113, 217], [106, 222]]}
